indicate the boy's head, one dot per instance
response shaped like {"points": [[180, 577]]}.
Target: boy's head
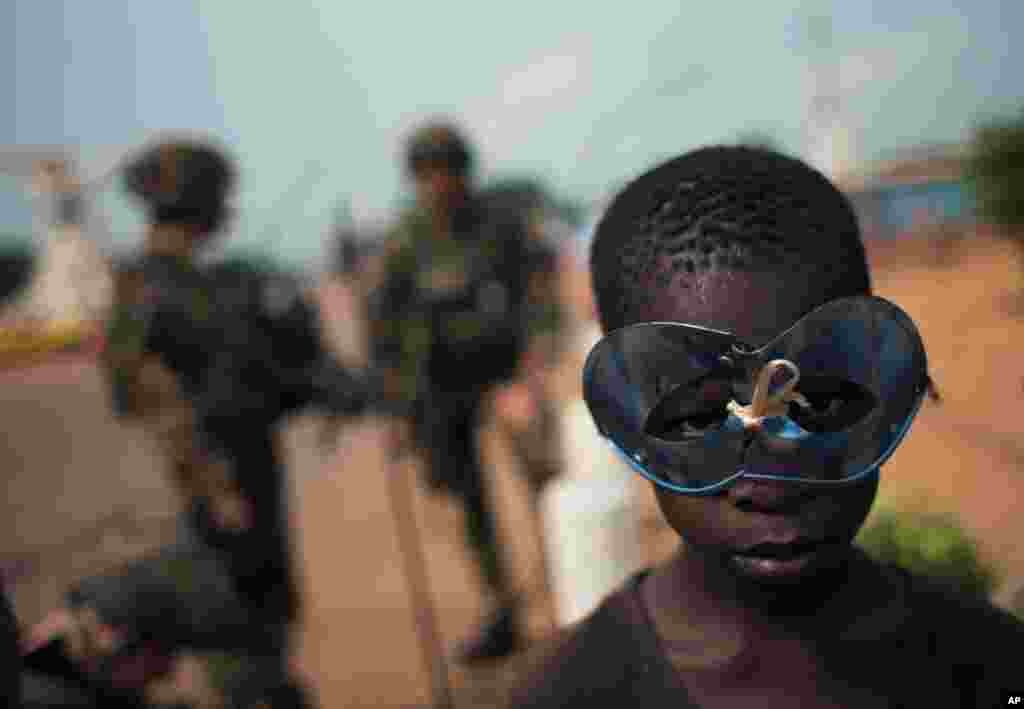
{"points": [[748, 241]]}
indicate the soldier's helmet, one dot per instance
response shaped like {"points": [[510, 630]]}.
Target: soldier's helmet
{"points": [[439, 143], [182, 181]]}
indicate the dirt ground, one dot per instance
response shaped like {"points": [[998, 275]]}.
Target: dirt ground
{"points": [[83, 494]]}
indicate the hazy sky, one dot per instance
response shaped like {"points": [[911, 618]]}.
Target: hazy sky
{"points": [[582, 95]]}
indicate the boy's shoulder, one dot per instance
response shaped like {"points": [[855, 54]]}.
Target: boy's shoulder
{"points": [[910, 631], [970, 626], [611, 656], [914, 602], [892, 625]]}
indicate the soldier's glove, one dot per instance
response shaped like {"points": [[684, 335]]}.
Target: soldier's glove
{"points": [[388, 397], [339, 391]]}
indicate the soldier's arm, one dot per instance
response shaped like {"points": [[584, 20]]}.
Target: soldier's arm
{"points": [[543, 285], [291, 355], [397, 332], [123, 358], [390, 301], [534, 261], [328, 384], [145, 336]]}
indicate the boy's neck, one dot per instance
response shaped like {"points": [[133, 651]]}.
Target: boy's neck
{"points": [[705, 615]]}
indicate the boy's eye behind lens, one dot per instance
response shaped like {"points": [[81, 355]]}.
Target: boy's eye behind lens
{"points": [[690, 410], [833, 404], [693, 425]]}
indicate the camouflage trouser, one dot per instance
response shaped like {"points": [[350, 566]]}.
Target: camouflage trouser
{"points": [[244, 483], [260, 559], [448, 425]]}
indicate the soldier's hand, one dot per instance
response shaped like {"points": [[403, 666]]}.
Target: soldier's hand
{"points": [[514, 406], [157, 387], [398, 438], [391, 384], [329, 433], [57, 624]]}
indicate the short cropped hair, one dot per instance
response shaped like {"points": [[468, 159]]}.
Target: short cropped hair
{"points": [[732, 208], [183, 182]]}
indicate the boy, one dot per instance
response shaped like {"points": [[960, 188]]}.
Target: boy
{"points": [[767, 602]]}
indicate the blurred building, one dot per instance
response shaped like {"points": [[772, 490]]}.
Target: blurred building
{"points": [[917, 191]]}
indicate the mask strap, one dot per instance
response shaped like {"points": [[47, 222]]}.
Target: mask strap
{"points": [[763, 403]]}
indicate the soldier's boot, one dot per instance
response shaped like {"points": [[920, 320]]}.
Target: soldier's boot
{"points": [[498, 637], [291, 695]]}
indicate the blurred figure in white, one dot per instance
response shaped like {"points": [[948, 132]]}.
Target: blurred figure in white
{"points": [[72, 280], [592, 525], [342, 290]]}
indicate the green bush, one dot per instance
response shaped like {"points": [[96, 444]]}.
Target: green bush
{"points": [[930, 545], [995, 171]]}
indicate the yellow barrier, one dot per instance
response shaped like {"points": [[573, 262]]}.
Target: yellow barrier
{"points": [[23, 344]]}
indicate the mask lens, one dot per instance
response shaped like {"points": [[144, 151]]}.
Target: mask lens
{"points": [[666, 395], [691, 410], [832, 404]]}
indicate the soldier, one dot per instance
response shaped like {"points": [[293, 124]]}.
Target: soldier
{"points": [[449, 323], [208, 362]]}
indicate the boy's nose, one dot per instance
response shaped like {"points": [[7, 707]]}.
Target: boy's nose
{"points": [[772, 496]]}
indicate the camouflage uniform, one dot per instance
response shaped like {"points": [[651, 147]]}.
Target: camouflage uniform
{"points": [[244, 352], [450, 320], [209, 362]]}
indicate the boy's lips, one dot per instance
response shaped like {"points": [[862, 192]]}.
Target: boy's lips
{"points": [[777, 560], [782, 550]]}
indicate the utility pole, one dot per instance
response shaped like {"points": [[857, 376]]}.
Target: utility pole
{"points": [[342, 240], [826, 134]]}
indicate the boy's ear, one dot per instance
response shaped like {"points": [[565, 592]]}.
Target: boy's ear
{"points": [[933, 390]]}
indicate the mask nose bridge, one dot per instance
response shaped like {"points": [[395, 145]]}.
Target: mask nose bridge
{"points": [[759, 430], [745, 366]]}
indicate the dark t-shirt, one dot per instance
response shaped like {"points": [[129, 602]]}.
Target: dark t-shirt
{"points": [[886, 639]]}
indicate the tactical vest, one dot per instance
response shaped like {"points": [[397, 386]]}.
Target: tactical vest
{"points": [[464, 323]]}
